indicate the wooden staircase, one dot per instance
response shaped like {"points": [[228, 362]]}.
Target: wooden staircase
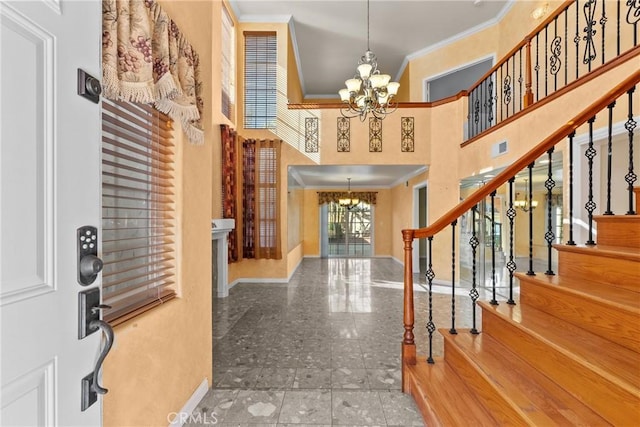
{"points": [[567, 354]]}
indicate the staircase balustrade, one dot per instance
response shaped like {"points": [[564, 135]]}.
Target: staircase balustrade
{"points": [[603, 109], [575, 39]]}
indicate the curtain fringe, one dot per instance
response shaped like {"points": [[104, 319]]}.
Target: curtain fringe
{"points": [[114, 88]]}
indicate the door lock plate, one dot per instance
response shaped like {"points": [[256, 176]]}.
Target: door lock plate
{"points": [[89, 396], [88, 310]]}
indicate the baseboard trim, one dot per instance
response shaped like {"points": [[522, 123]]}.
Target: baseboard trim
{"points": [[180, 418]]}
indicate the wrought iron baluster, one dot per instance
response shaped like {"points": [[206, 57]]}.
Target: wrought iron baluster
{"points": [[630, 126], [556, 49], [549, 236], [453, 278], [513, 73], [576, 39], [571, 242], [589, 10], [520, 80], [546, 59], [566, 45], [618, 28], [537, 67], [633, 16], [530, 201], [609, 157], [473, 293], [493, 248], [431, 327], [511, 265], [603, 22], [590, 206]]}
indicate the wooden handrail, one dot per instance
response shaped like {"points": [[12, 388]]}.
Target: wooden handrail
{"points": [[530, 157]]}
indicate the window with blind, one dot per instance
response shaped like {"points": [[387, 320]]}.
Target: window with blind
{"points": [[138, 209], [260, 66], [261, 199], [228, 62]]}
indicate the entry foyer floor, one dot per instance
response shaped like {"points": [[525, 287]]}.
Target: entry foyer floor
{"points": [[320, 350]]}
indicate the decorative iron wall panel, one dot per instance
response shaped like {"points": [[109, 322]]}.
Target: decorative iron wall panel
{"points": [[406, 134], [311, 134], [344, 135], [375, 134]]}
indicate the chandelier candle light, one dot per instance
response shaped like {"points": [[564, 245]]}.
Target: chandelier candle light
{"points": [[349, 201], [369, 91]]}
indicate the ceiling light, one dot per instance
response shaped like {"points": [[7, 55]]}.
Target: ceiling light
{"points": [[524, 204], [369, 91], [348, 200], [540, 11]]}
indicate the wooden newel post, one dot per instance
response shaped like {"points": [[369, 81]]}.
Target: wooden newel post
{"points": [[528, 92], [408, 344]]}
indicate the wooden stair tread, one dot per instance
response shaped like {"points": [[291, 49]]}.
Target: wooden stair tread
{"points": [[617, 218], [618, 363], [447, 399], [540, 400], [624, 299], [631, 254]]}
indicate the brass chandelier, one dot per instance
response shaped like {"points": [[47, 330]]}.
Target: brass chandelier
{"points": [[368, 91]]}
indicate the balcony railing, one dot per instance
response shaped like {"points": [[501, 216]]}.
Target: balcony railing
{"points": [[578, 37]]}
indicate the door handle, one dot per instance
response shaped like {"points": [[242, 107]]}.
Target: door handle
{"points": [[107, 330]]}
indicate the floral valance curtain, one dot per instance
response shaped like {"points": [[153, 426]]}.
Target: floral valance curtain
{"points": [[147, 59], [369, 197]]}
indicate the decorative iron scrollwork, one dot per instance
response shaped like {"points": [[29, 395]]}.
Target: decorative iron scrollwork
{"points": [[489, 103], [633, 14], [556, 50], [506, 85], [375, 134], [311, 134], [344, 135], [406, 134], [476, 111], [589, 10]]}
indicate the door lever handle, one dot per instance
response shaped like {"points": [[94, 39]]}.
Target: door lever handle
{"points": [[107, 330]]}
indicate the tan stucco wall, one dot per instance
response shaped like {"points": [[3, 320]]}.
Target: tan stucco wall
{"points": [[162, 356]]}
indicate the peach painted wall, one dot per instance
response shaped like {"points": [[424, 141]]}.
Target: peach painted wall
{"points": [[161, 357], [402, 219], [311, 224], [391, 151]]}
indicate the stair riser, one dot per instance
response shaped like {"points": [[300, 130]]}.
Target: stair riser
{"points": [[412, 386], [587, 385], [619, 272], [499, 407], [619, 230], [610, 322]]}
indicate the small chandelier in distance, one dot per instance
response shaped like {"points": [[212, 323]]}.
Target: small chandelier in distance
{"points": [[348, 201], [524, 204], [368, 91]]}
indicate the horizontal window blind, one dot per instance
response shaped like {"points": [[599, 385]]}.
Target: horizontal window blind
{"points": [[228, 61], [260, 67], [138, 209]]}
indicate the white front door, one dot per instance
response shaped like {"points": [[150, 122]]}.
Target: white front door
{"points": [[50, 186]]}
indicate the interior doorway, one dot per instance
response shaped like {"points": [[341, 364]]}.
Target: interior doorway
{"points": [[420, 221]]}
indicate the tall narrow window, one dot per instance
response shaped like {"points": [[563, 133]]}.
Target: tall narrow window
{"points": [[260, 66], [261, 199], [138, 209], [228, 64]]}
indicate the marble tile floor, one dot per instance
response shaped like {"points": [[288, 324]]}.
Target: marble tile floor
{"points": [[320, 350]]}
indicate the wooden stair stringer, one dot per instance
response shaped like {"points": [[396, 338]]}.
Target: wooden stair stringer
{"points": [[613, 321], [504, 381], [581, 375]]}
